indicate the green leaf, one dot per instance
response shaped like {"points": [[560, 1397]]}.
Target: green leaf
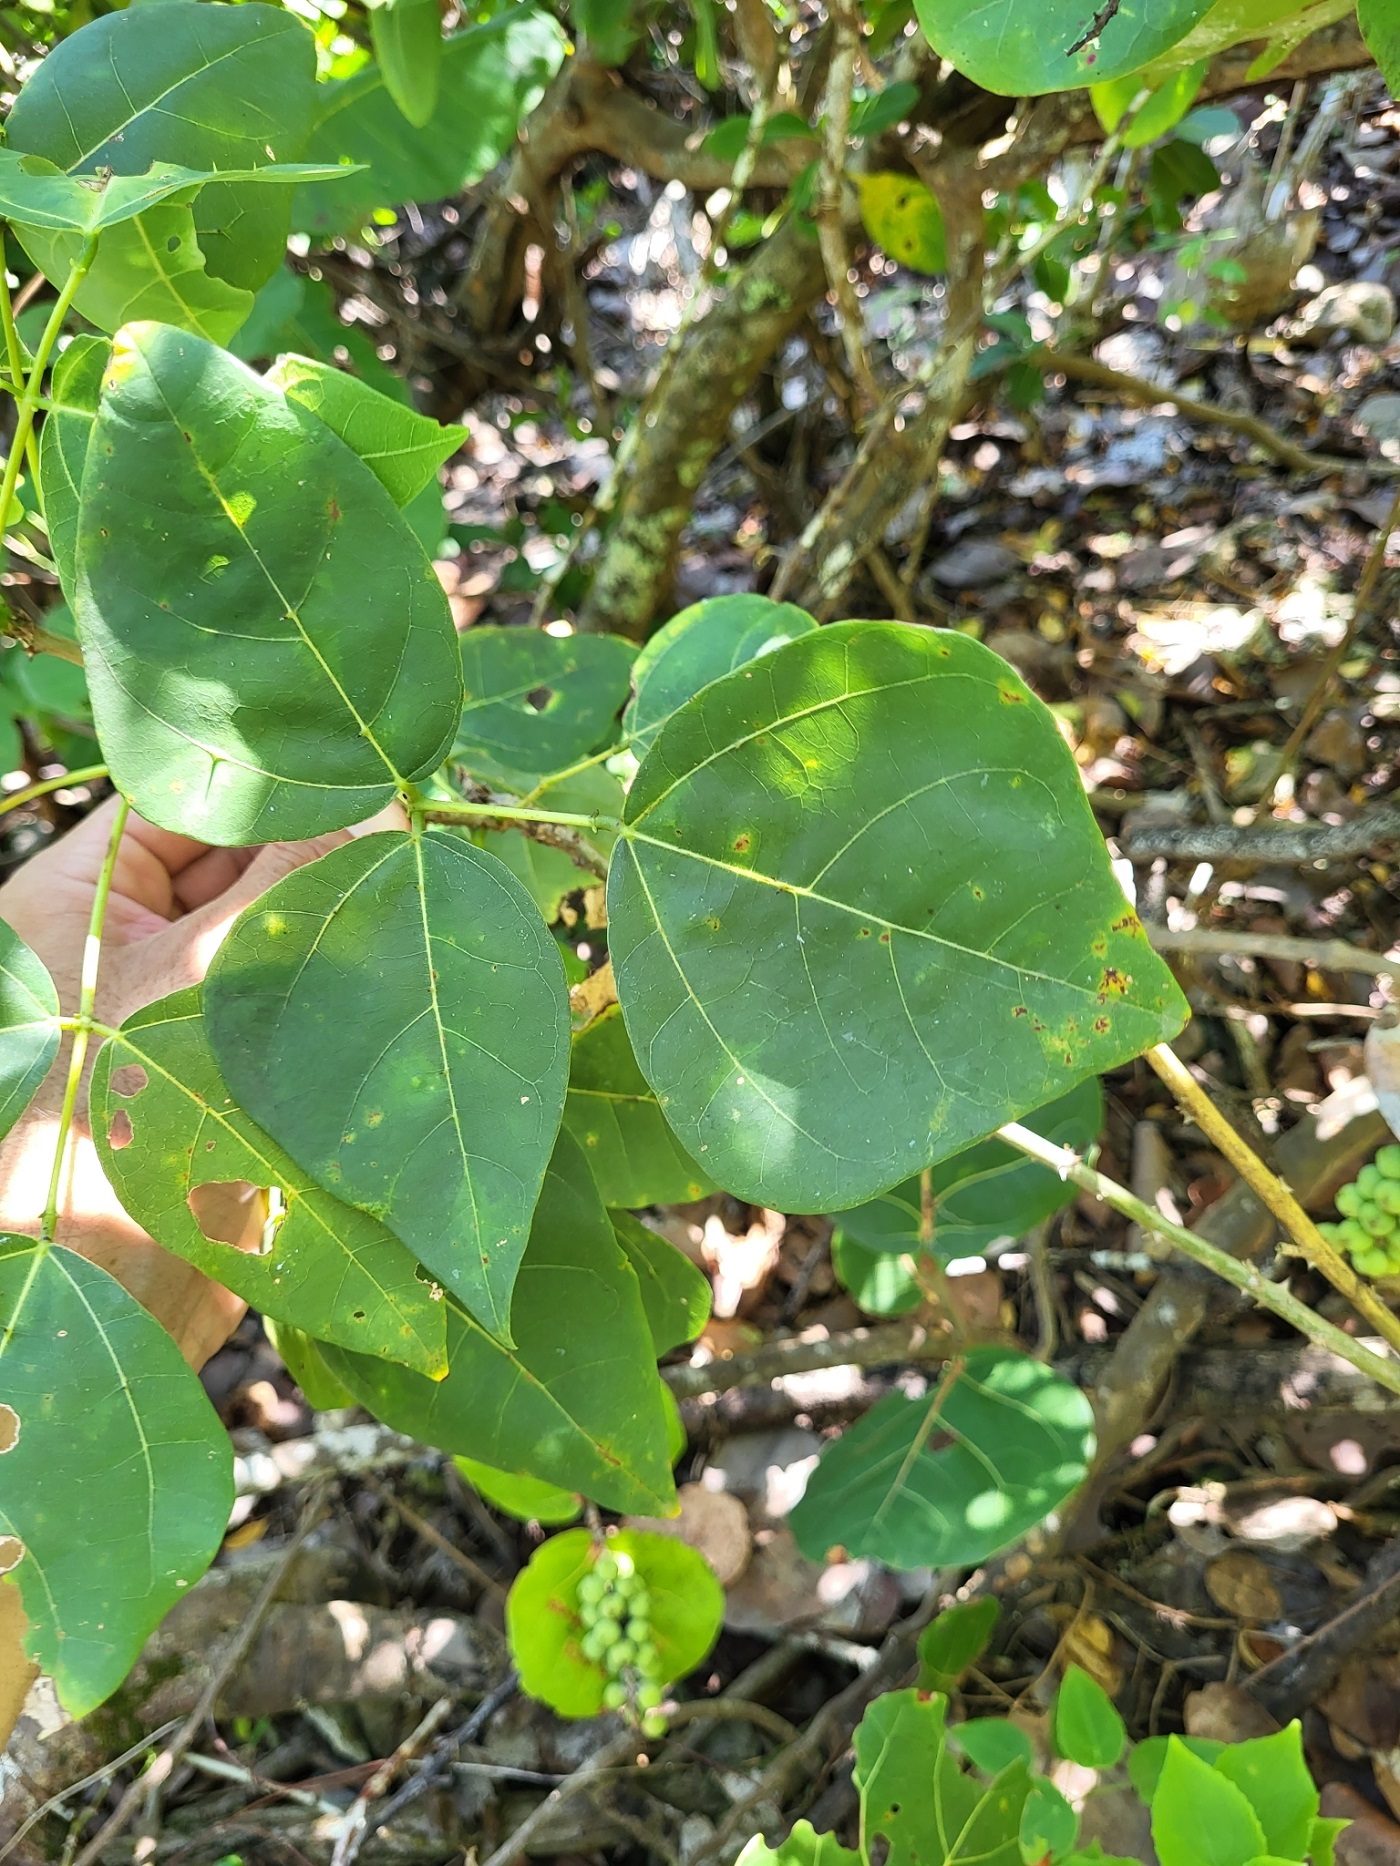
{"points": [[860, 915], [402, 449], [395, 1015], [29, 1033], [491, 76], [204, 86], [1088, 1729], [614, 1116], [1199, 1818], [951, 1645], [270, 654], [945, 1481], [1322, 1842], [803, 1847], [296, 314], [1026, 47], [1379, 21], [1146, 1759], [700, 645], [538, 702], [675, 1295], [987, 1192], [407, 40], [1272, 1775], [118, 1479], [303, 1360], [544, 1629], [1049, 1825], [1282, 24], [576, 1402], [878, 1281], [914, 1795], [546, 874], [903, 217], [35, 192], [992, 1744], [74, 390], [153, 268], [1163, 110], [194, 1171], [523, 1497]]}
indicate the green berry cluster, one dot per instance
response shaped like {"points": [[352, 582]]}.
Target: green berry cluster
{"points": [[1370, 1229], [614, 1604]]}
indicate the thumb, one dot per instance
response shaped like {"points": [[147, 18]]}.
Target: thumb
{"points": [[183, 954]]}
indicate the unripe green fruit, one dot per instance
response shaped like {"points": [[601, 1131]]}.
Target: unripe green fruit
{"points": [[591, 1646], [654, 1724], [606, 1567], [1353, 1236], [638, 1628], [1349, 1201], [1374, 1221], [1371, 1262], [1388, 1162], [614, 1695], [606, 1634], [1367, 1180], [648, 1697], [1388, 1196], [591, 1589], [648, 1658], [624, 1653]]}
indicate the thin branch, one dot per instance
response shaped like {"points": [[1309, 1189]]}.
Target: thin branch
{"points": [[1384, 1370], [1326, 955], [1279, 1198], [148, 1785], [831, 219], [1140, 389]]}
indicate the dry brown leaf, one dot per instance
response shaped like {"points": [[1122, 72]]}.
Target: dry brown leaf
{"points": [[592, 995], [1226, 1714], [1091, 1643], [1240, 1583], [712, 1523]]}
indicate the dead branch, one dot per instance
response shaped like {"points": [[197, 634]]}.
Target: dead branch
{"points": [[1373, 828]]}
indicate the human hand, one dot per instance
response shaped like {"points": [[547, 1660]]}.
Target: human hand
{"points": [[171, 903]]}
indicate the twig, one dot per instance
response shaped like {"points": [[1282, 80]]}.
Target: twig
{"points": [[1290, 1683], [89, 774], [831, 219], [1376, 825], [1279, 1198], [857, 1347], [569, 841], [108, 1769], [622, 1749], [1361, 608], [436, 1539], [353, 1828], [147, 1787], [1141, 389], [1326, 955], [1384, 1370], [444, 1755]]}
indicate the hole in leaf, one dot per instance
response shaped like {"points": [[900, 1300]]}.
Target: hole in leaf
{"points": [[538, 698], [172, 245], [359, 1315], [119, 1131], [9, 1428], [236, 1212], [11, 1553], [129, 1080]]}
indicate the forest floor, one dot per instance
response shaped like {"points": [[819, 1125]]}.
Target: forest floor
{"points": [[1216, 634]]}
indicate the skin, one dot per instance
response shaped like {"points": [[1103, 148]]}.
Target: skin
{"points": [[172, 902]]}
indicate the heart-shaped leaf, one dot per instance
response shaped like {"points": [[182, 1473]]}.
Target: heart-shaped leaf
{"points": [[861, 915], [395, 1016], [269, 652], [614, 1116], [29, 1033], [947, 1480], [538, 702], [700, 645], [194, 1171], [202, 86], [576, 1402], [116, 1474], [401, 448]]}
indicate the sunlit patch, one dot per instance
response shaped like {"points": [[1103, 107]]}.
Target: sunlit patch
{"points": [[240, 507]]}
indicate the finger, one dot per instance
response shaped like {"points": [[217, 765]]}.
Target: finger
{"points": [[173, 852], [208, 875], [187, 950]]}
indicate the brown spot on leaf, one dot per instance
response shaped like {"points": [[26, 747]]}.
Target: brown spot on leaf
{"points": [[885, 937], [1128, 924], [1112, 982], [743, 842], [1020, 1011], [1101, 1025], [9, 1428]]}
